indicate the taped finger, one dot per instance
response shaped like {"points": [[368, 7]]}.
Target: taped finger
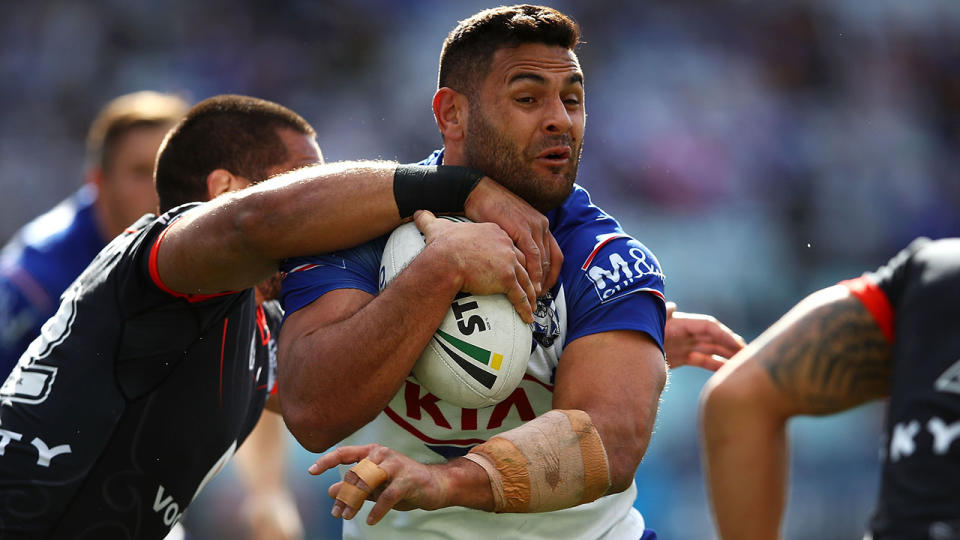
{"points": [[351, 495], [371, 473]]}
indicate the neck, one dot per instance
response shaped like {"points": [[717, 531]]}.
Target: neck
{"points": [[454, 155], [106, 222]]}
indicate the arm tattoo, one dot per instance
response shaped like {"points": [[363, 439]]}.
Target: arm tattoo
{"points": [[829, 357]]}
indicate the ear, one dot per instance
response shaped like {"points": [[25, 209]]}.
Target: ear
{"points": [[450, 110], [220, 181], [94, 176]]}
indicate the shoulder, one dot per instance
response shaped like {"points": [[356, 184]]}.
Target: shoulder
{"points": [[596, 247], [924, 262], [355, 258], [56, 226], [307, 278], [56, 246]]}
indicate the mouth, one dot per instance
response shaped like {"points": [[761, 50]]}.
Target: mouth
{"points": [[555, 155]]}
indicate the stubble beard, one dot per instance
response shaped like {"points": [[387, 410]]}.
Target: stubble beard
{"points": [[489, 152]]}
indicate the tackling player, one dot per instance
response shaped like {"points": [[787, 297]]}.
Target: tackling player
{"points": [[890, 333], [161, 356], [510, 103]]}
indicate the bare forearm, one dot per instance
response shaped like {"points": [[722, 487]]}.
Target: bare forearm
{"points": [[337, 378], [466, 485], [269, 509], [617, 378], [826, 355], [745, 459], [312, 210], [261, 460], [318, 209]]}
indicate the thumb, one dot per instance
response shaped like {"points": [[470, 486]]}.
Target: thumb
{"points": [[423, 219]]}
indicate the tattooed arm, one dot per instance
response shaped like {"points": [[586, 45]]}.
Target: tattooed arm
{"points": [[826, 355]]}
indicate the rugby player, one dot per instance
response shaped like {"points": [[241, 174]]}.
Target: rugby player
{"points": [[890, 334], [510, 103]]}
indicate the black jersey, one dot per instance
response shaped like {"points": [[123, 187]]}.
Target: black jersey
{"points": [[132, 398], [915, 298]]}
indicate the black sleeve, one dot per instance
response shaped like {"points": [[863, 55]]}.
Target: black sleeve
{"points": [[893, 277]]}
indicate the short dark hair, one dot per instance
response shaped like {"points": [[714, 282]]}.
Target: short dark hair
{"points": [[123, 114], [236, 133], [469, 48]]}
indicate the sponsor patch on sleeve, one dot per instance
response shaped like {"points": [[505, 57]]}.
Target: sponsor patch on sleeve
{"points": [[618, 265]]}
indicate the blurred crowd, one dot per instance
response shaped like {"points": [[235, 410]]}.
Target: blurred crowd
{"points": [[762, 151]]}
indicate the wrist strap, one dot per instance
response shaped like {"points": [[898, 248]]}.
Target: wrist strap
{"points": [[438, 188]]}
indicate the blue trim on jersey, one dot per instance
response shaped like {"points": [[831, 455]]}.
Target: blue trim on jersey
{"points": [[38, 264], [355, 268], [610, 280]]}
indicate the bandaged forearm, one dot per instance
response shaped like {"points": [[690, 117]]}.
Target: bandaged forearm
{"points": [[555, 461]]}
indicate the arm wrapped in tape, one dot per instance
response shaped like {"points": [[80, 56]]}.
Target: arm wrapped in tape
{"points": [[555, 461]]}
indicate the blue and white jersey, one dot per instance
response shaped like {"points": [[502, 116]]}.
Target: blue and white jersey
{"points": [[38, 264], [609, 281]]}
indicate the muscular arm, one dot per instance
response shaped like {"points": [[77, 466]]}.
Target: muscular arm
{"points": [[239, 238], [345, 355], [269, 509], [824, 356], [616, 378]]}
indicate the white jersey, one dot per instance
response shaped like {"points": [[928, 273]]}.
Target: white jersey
{"points": [[427, 429], [609, 281]]}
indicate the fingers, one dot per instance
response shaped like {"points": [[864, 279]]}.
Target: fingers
{"points": [[343, 455], [385, 502], [424, 219], [358, 483], [706, 361], [723, 336], [532, 258], [705, 328], [522, 294], [526, 283], [714, 349], [554, 262]]}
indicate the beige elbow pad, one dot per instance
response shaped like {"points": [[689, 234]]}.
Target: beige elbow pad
{"points": [[555, 461]]}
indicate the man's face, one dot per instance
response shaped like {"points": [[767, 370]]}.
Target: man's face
{"points": [[525, 125], [126, 189], [302, 150]]}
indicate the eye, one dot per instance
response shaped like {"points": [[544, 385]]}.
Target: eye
{"points": [[524, 99]]}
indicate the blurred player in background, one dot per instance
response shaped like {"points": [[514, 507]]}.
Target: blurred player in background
{"points": [[570, 438], [48, 253], [891, 333], [162, 354]]}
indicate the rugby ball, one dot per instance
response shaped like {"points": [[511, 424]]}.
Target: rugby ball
{"points": [[479, 354]]}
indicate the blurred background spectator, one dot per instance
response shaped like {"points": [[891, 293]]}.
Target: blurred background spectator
{"points": [[762, 151]]}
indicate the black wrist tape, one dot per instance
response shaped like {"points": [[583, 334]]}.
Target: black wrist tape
{"points": [[438, 188]]}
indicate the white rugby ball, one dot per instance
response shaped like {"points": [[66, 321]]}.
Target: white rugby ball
{"points": [[479, 354]]}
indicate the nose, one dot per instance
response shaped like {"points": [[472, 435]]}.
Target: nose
{"points": [[557, 118]]}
